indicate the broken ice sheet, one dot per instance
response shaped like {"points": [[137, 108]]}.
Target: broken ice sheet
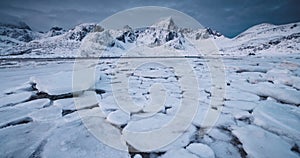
{"points": [[201, 150], [79, 142], [64, 82], [278, 118], [257, 142], [22, 110], [12, 99], [54, 84], [23, 140]]}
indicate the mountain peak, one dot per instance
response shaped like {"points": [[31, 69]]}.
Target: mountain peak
{"points": [[166, 23], [127, 28]]}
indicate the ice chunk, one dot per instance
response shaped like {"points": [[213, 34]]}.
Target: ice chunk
{"points": [[236, 94], [279, 118], [243, 105], [118, 117], [283, 94], [14, 98], [51, 113], [179, 153], [20, 110], [65, 103], [201, 150], [23, 140], [258, 142], [224, 149], [78, 142], [137, 156], [53, 84], [155, 124]]}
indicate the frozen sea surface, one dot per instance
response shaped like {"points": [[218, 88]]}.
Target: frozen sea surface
{"points": [[260, 115]]}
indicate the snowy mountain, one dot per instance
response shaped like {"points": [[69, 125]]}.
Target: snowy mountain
{"points": [[264, 38], [19, 40], [54, 31], [55, 43], [60, 43], [14, 34], [162, 38]]}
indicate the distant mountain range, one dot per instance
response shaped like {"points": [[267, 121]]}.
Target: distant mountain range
{"points": [[90, 39]]}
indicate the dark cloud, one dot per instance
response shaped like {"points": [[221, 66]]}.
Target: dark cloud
{"points": [[229, 17]]}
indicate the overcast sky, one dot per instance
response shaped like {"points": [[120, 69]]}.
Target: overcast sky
{"points": [[230, 17]]}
